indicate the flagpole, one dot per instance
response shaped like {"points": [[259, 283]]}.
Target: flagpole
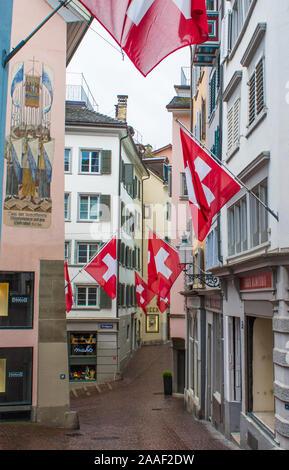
{"points": [[229, 171]]}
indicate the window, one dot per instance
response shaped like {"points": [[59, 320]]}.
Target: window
{"points": [[90, 161], [89, 207], [237, 215], [67, 206], [67, 160], [168, 211], [67, 254], [256, 92], [86, 296], [212, 258], [233, 122], [16, 299], [183, 189], [259, 216], [211, 5], [16, 376], [239, 14], [147, 211], [213, 91], [85, 251], [82, 356]]}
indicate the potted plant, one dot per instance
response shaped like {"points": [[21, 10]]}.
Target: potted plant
{"points": [[168, 382]]}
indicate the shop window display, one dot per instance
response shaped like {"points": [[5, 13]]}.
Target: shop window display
{"points": [[16, 299], [82, 356]]}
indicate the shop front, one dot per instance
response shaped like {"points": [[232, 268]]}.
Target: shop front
{"points": [[15, 381]]}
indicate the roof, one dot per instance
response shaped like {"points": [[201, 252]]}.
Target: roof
{"points": [[77, 113], [179, 102]]}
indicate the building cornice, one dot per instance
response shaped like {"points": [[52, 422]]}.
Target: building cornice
{"points": [[232, 85], [253, 44]]}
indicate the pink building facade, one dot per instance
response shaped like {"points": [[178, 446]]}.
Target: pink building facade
{"points": [[180, 109], [33, 347]]}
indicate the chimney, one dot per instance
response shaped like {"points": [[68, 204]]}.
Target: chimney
{"points": [[121, 108]]}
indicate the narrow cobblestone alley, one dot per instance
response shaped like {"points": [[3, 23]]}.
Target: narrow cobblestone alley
{"points": [[132, 415]]}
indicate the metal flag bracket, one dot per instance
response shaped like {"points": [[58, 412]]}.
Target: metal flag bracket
{"points": [[6, 57]]}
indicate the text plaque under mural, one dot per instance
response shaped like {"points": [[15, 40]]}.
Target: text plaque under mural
{"points": [[256, 281]]}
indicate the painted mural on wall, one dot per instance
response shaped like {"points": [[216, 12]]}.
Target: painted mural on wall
{"points": [[29, 147]]}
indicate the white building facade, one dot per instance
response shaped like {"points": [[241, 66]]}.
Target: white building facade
{"points": [[255, 246], [103, 198]]}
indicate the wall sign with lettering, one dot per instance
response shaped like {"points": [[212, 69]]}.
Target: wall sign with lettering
{"points": [[256, 281]]}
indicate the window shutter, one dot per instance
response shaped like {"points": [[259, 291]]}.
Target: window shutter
{"points": [[106, 162], [252, 98], [260, 101], [105, 215], [236, 123], [128, 173], [169, 181], [104, 299], [230, 129]]}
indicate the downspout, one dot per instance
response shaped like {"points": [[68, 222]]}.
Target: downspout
{"points": [[220, 154], [118, 247]]}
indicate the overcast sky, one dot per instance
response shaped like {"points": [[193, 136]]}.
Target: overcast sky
{"points": [[108, 75]]}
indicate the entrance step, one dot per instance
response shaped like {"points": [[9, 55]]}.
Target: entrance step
{"points": [[236, 437]]}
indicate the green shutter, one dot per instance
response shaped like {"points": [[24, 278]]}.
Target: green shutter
{"points": [[106, 162], [104, 299], [105, 215], [128, 173]]}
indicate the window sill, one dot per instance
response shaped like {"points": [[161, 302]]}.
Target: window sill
{"points": [[256, 122], [247, 253], [85, 221], [232, 153], [184, 198], [90, 173]]}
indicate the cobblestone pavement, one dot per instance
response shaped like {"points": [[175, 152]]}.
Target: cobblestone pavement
{"points": [[132, 415]]}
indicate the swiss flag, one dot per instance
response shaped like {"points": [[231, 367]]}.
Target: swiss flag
{"points": [[163, 265], [103, 268], [150, 30], [143, 294], [163, 304], [68, 290], [209, 185]]}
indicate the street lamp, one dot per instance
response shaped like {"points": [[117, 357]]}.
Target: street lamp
{"points": [[186, 259]]}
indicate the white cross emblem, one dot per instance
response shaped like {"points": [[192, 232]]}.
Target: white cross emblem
{"points": [[160, 259], [202, 169], [138, 9], [140, 290], [111, 265]]}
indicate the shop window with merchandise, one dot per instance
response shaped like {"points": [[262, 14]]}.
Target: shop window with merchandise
{"points": [[82, 356]]}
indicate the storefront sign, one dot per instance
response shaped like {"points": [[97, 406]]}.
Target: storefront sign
{"points": [[15, 374], [256, 281], [83, 349], [19, 300], [106, 326]]}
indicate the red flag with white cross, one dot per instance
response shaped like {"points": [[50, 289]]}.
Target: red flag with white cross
{"points": [[163, 265], [143, 294], [150, 30], [103, 268], [209, 185], [163, 304], [68, 290]]}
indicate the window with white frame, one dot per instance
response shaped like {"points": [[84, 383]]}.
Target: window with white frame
{"points": [[259, 215], [89, 207], [233, 123], [256, 92], [237, 223], [89, 161], [67, 160], [67, 206], [212, 258], [85, 251], [86, 296]]}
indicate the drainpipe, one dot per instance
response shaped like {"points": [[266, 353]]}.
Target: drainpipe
{"points": [[118, 246], [220, 257]]}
